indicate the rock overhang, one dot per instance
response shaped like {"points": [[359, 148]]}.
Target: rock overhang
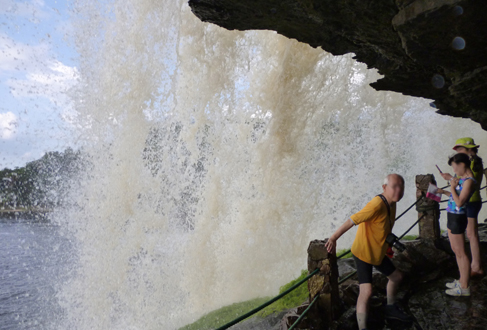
{"points": [[435, 49]]}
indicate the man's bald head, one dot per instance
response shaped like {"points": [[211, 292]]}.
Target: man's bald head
{"points": [[396, 176], [393, 187]]}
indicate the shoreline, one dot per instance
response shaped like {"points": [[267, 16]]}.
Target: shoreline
{"points": [[37, 215]]}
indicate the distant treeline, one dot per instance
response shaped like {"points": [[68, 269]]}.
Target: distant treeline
{"points": [[40, 184]]}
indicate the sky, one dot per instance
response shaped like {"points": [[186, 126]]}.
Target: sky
{"points": [[38, 67]]}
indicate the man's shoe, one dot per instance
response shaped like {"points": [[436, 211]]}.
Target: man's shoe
{"points": [[394, 312], [458, 292], [452, 285]]}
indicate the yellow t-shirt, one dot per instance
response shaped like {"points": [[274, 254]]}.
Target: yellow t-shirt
{"points": [[373, 227], [478, 177]]}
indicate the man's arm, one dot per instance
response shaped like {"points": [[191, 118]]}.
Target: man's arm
{"points": [[332, 241]]}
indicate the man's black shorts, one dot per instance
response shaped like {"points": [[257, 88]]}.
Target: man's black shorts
{"points": [[364, 270]]}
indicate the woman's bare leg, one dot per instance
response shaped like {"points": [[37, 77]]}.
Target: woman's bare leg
{"points": [[457, 242], [473, 236]]}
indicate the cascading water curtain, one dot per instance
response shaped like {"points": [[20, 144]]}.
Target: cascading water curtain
{"points": [[216, 156]]}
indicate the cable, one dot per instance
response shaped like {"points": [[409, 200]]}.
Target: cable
{"points": [[344, 254], [417, 201], [304, 313], [407, 231], [397, 218], [340, 281], [255, 310]]}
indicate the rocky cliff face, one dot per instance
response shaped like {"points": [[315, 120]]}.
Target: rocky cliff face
{"points": [[435, 49]]}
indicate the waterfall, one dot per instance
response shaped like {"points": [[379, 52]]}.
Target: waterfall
{"points": [[216, 156]]}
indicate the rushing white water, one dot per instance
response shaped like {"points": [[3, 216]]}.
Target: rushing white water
{"points": [[217, 156]]}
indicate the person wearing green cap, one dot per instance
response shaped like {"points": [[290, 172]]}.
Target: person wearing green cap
{"points": [[467, 146]]}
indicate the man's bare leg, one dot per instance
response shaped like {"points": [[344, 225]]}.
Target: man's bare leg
{"points": [[363, 304], [392, 286]]}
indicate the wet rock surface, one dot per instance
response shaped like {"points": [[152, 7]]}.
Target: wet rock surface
{"points": [[427, 266], [433, 49], [435, 310]]}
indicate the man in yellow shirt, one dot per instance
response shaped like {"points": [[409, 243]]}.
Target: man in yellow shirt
{"points": [[375, 222]]}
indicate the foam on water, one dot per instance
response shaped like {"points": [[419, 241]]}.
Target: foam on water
{"points": [[217, 156]]}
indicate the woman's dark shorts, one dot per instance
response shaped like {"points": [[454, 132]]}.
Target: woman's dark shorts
{"points": [[473, 209], [457, 223], [364, 269]]}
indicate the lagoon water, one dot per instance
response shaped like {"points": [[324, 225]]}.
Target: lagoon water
{"points": [[33, 263]]}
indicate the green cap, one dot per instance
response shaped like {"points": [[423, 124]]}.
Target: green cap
{"points": [[466, 143]]}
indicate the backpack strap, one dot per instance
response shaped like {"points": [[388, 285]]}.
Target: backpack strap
{"points": [[388, 207]]}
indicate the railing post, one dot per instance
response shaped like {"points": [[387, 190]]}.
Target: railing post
{"points": [[324, 284], [429, 226]]}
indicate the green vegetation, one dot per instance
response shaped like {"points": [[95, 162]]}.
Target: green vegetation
{"points": [[292, 299], [410, 237], [342, 251], [40, 184], [16, 186], [295, 298], [224, 315]]}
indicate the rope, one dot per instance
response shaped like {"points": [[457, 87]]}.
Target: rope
{"points": [[255, 310], [417, 201], [307, 309], [304, 313], [407, 231], [344, 254], [403, 213], [340, 281]]}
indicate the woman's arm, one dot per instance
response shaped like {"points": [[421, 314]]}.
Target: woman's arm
{"points": [[446, 176], [464, 195], [444, 192], [332, 241]]}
